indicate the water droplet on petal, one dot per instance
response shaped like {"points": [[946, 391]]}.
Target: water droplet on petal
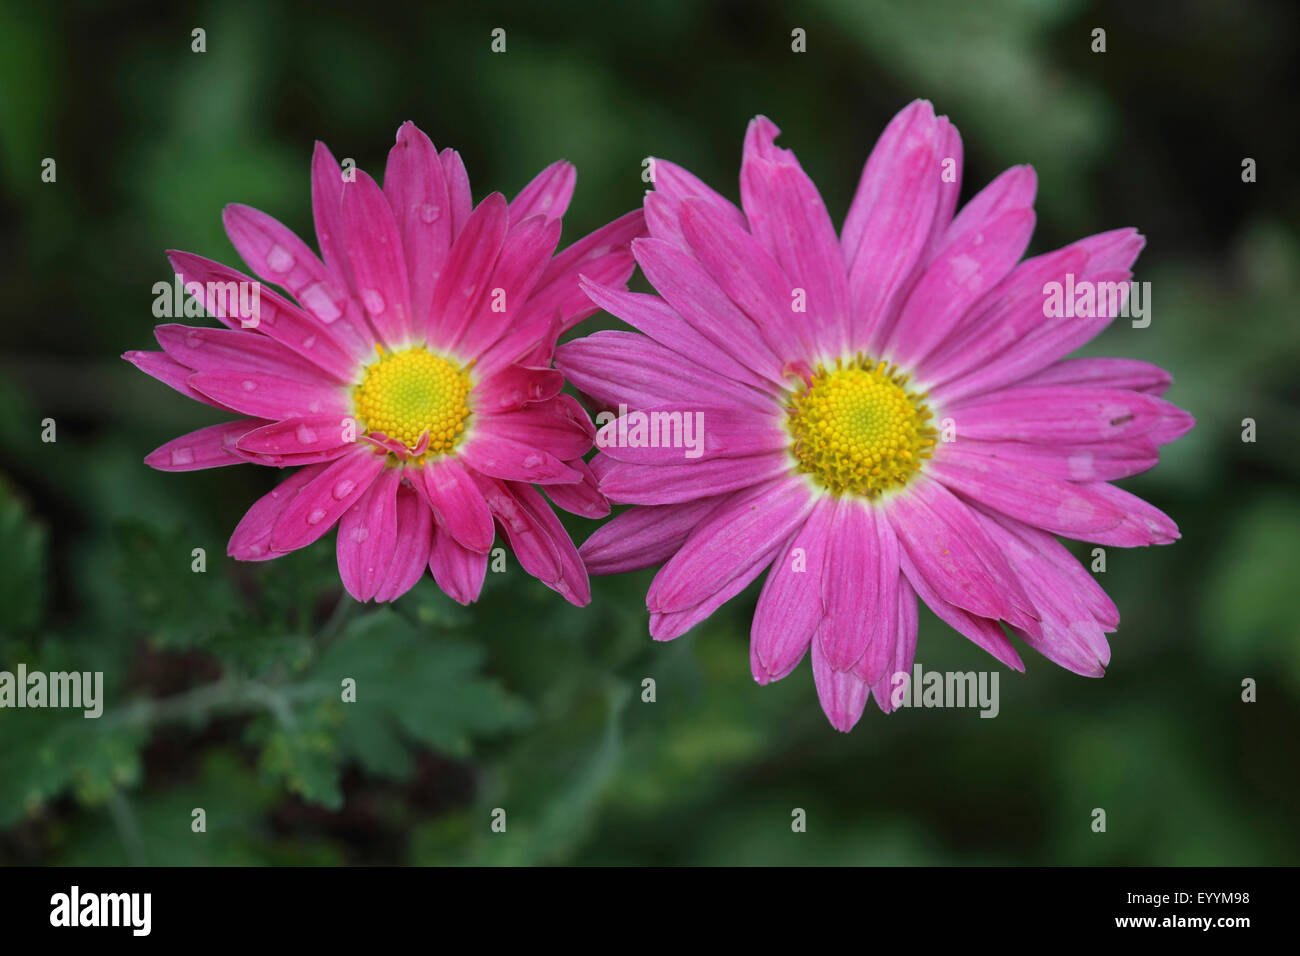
{"points": [[343, 488], [360, 533], [182, 456], [193, 339], [279, 259], [428, 213], [248, 385], [308, 342], [373, 301], [532, 461], [317, 300], [306, 435], [316, 517]]}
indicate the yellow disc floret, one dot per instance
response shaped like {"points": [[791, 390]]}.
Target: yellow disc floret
{"points": [[409, 393], [857, 428]]}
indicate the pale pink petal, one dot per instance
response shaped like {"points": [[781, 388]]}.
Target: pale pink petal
{"points": [[904, 651], [627, 483], [167, 370], [232, 350], [512, 460], [462, 200], [1105, 373], [659, 435]]}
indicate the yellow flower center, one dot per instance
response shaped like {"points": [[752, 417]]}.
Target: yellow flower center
{"points": [[408, 393], [857, 428]]}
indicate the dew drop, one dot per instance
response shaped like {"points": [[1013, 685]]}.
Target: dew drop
{"points": [[182, 456], [343, 488], [248, 385], [193, 339], [306, 435], [316, 517], [309, 341], [374, 301], [428, 213], [316, 299], [532, 461], [279, 259], [360, 533]]}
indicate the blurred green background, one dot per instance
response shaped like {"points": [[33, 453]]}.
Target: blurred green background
{"points": [[222, 686]]}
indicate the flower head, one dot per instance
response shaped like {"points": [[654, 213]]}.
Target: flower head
{"points": [[407, 372], [888, 414]]}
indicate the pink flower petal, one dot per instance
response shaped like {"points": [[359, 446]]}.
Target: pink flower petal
{"points": [[859, 591], [251, 539], [417, 192], [368, 536], [323, 500], [413, 550], [458, 571], [642, 537], [547, 195], [210, 447], [378, 262], [790, 605], [464, 281], [459, 505]]}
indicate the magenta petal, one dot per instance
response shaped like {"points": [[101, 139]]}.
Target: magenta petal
{"points": [[658, 435], [412, 549], [751, 278], [859, 591], [645, 536], [843, 694], [269, 396], [516, 386], [275, 253], [459, 505], [417, 192], [904, 651], [167, 370], [657, 319], [333, 348], [955, 556], [1061, 507], [230, 350], [458, 571], [790, 604], [558, 425], [730, 542], [627, 483], [955, 281], [511, 460], [368, 536], [462, 200], [321, 502], [539, 541], [374, 251], [251, 539], [525, 252], [547, 195], [983, 632], [464, 281], [210, 447], [311, 434], [580, 498], [1104, 373], [622, 367]]}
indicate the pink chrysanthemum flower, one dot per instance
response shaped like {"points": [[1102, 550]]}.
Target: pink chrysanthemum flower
{"points": [[412, 381], [887, 413]]}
